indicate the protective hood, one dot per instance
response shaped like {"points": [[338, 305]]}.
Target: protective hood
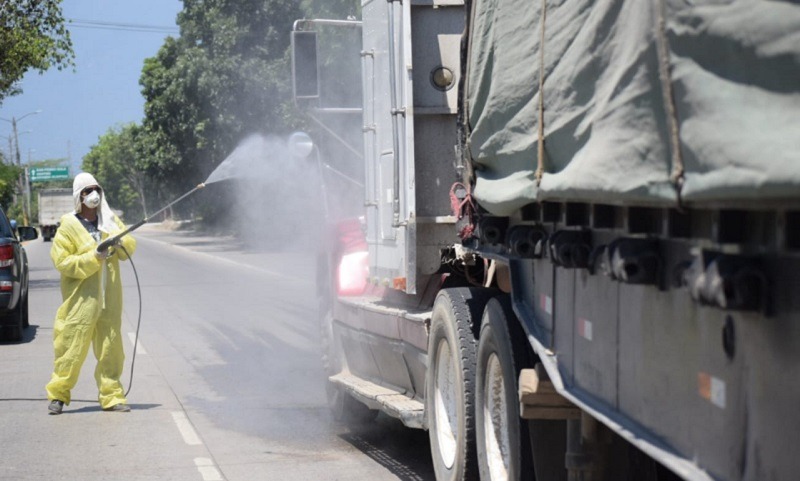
{"points": [[105, 216]]}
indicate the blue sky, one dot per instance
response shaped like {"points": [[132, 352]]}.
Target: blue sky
{"points": [[78, 107]]}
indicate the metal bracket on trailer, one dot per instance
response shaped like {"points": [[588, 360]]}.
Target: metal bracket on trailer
{"points": [[538, 399]]}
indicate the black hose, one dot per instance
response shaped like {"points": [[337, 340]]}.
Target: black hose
{"points": [[138, 322], [113, 241]]}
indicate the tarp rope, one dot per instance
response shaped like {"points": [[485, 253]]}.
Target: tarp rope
{"points": [[540, 159], [677, 175]]}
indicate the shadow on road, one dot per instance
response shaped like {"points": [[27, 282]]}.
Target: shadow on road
{"points": [[28, 335], [403, 451], [96, 408]]}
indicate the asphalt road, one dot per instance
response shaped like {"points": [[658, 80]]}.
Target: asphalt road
{"points": [[227, 381]]}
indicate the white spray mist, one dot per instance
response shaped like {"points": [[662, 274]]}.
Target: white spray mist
{"points": [[279, 199]]}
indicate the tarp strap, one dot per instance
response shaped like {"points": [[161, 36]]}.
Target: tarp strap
{"points": [[462, 207], [540, 155], [677, 175]]}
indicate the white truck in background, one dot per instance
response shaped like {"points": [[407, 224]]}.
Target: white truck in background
{"points": [[53, 203]]}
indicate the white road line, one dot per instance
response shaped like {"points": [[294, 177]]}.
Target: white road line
{"points": [[208, 471], [139, 347], [190, 436]]}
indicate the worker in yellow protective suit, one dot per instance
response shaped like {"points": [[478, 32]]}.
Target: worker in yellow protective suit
{"points": [[91, 289]]}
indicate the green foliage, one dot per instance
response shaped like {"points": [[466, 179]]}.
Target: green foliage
{"points": [[226, 76], [116, 161], [32, 36], [9, 175]]}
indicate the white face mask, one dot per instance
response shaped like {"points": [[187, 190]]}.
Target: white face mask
{"points": [[92, 200]]}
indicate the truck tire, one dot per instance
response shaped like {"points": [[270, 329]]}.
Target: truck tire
{"points": [[450, 381], [503, 441]]}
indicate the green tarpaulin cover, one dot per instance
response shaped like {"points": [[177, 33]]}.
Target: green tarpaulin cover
{"points": [[731, 68]]}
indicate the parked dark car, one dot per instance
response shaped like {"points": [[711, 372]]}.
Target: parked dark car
{"points": [[13, 279]]}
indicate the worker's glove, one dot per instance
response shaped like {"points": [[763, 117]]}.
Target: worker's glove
{"points": [[106, 245]]}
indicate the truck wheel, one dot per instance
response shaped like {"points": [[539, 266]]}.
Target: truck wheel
{"points": [[502, 436], [450, 381]]}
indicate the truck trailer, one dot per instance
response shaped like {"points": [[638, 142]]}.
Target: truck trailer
{"points": [[577, 250]]}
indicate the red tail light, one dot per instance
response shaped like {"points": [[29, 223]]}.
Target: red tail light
{"points": [[353, 273], [6, 256], [350, 236], [353, 269], [6, 286]]}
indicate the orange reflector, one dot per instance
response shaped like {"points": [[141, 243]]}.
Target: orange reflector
{"points": [[704, 385], [712, 389], [399, 283]]}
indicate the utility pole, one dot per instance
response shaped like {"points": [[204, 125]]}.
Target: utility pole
{"points": [[28, 186], [23, 178]]}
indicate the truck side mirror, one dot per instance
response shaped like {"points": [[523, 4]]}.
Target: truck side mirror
{"points": [[305, 76]]}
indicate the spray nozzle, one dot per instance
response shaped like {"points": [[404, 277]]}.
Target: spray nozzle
{"points": [[103, 246]]}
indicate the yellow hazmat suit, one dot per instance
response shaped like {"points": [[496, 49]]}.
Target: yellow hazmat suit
{"points": [[92, 310]]}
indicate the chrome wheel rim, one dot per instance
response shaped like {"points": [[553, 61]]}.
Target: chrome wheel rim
{"points": [[445, 404], [495, 421]]}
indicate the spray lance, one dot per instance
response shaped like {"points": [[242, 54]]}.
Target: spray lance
{"points": [[103, 246], [241, 161]]}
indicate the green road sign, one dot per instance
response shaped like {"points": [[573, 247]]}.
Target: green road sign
{"points": [[41, 174]]}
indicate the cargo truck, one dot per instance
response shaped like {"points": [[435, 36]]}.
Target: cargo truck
{"points": [[578, 251], [53, 203]]}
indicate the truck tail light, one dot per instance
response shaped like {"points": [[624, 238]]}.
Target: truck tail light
{"points": [[353, 270], [6, 256], [6, 286], [353, 273]]}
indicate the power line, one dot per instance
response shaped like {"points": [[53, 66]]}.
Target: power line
{"points": [[127, 27]]}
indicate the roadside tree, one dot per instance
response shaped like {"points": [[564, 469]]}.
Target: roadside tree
{"points": [[32, 36]]}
